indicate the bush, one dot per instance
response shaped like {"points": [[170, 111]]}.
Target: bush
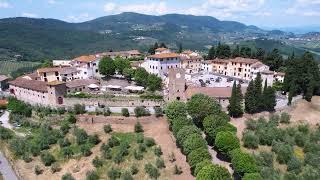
{"points": [[274, 119], [126, 176], [251, 124], [158, 151], [125, 112], [85, 150], [149, 142], [252, 176], [64, 143], [113, 141], [158, 111], [67, 176], [71, 118], [152, 171], [65, 127], [107, 128], [106, 111], [243, 162], [294, 165], [114, 173], [140, 138], [55, 167], [172, 157], [94, 139], [92, 175], [67, 152], [79, 109], [300, 139], [179, 123], [5, 134], [37, 170], [134, 170], [138, 128], [264, 159], [304, 128], [185, 132], [285, 118], [194, 141], [177, 170], [141, 111], [284, 152], [213, 172], [198, 156], [81, 136], [61, 110], [138, 155], [47, 158], [160, 163], [142, 148], [226, 142], [97, 162], [26, 158], [250, 140], [200, 165]]}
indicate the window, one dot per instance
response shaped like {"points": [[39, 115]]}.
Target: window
{"points": [[84, 72], [60, 100], [97, 70], [56, 73], [45, 79], [44, 74]]}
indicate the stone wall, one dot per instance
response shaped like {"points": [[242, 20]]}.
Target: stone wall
{"points": [[70, 102]]}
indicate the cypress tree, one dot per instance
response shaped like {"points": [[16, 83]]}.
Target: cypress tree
{"points": [[235, 102], [258, 93], [270, 99], [236, 52], [250, 99], [212, 53]]}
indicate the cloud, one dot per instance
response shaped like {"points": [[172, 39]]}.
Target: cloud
{"points": [[30, 15], [4, 4], [109, 7], [52, 2], [153, 8], [79, 18]]}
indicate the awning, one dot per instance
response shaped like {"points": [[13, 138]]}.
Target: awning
{"points": [[134, 88], [93, 86], [113, 87]]}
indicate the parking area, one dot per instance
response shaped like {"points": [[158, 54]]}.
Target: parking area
{"points": [[215, 80]]}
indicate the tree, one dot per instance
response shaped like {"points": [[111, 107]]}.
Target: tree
{"points": [[260, 54], [141, 77], [193, 142], [67, 176], [274, 60], [138, 128], [114, 173], [152, 171], [179, 123], [92, 175], [250, 140], [180, 48], [211, 124], [213, 172], [154, 82], [121, 64], [140, 111], [107, 66], [200, 106], [235, 102], [201, 165], [128, 73], [236, 52], [174, 110], [269, 99], [212, 53], [250, 100], [243, 162], [184, 133], [197, 156], [245, 52], [47, 158], [258, 93], [162, 45], [226, 142], [107, 128], [252, 176], [223, 51]]}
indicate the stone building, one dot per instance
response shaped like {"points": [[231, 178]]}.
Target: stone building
{"points": [[3, 82], [176, 85]]}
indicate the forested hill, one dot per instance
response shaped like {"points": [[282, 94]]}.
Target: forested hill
{"points": [[39, 39]]}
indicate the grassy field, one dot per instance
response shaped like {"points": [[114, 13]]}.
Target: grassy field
{"points": [[6, 67]]}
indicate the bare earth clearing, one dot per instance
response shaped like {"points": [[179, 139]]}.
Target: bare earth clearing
{"points": [[153, 127]]}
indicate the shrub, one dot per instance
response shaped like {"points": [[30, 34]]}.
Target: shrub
{"points": [[194, 141], [213, 172], [5, 134], [160, 163], [118, 158], [71, 118], [141, 111], [140, 138], [114, 173], [149, 142], [251, 124], [85, 150], [152, 171], [264, 159], [81, 136], [198, 156], [228, 127], [252, 176], [285, 118], [200, 165], [250, 140], [158, 151], [47, 158], [37, 170], [92, 175], [243, 162], [64, 142], [177, 170], [126, 176], [97, 162], [134, 170], [94, 139], [185, 132], [226, 142], [274, 119], [107, 129], [304, 128], [176, 109], [106, 111], [142, 148], [179, 123], [65, 127], [294, 165], [158, 111], [113, 141], [300, 139], [138, 155], [138, 128], [61, 110], [55, 167], [125, 112], [67, 176], [79, 109], [284, 152], [67, 152], [26, 158]]}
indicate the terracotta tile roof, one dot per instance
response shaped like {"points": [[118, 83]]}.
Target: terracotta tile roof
{"points": [[3, 77], [164, 55], [32, 76], [187, 52], [61, 70], [86, 59], [216, 92], [267, 72], [81, 82], [46, 70], [257, 65], [161, 49], [34, 85], [235, 60], [121, 53], [55, 83]]}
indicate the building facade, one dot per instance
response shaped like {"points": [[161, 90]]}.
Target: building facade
{"points": [[88, 66], [58, 74], [176, 85]]}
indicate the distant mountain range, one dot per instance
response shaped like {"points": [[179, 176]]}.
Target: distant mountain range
{"points": [[39, 39]]}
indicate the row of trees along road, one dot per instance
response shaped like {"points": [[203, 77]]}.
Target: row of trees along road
{"points": [[109, 67]]}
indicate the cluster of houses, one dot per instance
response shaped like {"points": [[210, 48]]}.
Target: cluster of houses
{"points": [[48, 86]]}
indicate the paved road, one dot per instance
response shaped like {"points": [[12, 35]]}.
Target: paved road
{"points": [[5, 120], [6, 170]]}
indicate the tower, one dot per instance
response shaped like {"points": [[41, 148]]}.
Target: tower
{"points": [[56, 92], [177, 85]]}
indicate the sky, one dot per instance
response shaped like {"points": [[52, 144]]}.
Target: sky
{"points": [[262, 13]]}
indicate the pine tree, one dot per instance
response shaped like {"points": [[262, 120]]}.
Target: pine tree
{"points": [[270, 99], [236, 52], [235, 102], [258, 93], [264, 95], [212, 53], [250, 99]]}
